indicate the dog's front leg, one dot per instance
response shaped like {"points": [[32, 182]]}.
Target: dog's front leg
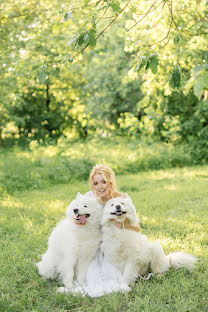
{"points": [[129, 273], [67, 271], [82, 271]]}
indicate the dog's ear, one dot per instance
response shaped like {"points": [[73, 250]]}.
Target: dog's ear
{"points": [[79, 196]]}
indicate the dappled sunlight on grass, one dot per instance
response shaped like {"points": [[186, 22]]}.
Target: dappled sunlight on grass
{"points": [[176, 234], [165, 215], [50, 151], [56, 205], [171, 187], [10, 202], [49, 165], [161, 174], [185, 173], [37, 212]]}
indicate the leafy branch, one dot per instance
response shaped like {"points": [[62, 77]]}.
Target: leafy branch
{"points": [[143, 16], [106, 27]]}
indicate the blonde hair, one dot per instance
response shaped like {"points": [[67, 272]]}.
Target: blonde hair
{"points": [[107, 173]]}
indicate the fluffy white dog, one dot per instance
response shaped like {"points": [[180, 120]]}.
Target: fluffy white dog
{"points": [[71, 246], [132, 253]]}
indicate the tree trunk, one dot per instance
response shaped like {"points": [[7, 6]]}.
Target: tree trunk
{"points": [[1, 140], [47, 96]]}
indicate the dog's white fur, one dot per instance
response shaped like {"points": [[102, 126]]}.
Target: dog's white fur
{"points": [[132, 253], [71, 246]]}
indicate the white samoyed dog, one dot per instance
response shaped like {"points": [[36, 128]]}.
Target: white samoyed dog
{"points": [[131, 252], [71, 247]]}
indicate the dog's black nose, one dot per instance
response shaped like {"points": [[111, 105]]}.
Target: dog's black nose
{"points": [[118, 207], [76, 210]]}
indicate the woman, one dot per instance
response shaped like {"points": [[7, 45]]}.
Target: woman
{"points": [[103, 187], [102, 276]]}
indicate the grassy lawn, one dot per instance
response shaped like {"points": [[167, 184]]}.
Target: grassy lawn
{"points": [[172, 206], [41, 166]]}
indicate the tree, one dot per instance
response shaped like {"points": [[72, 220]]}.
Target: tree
{"points": [[36, 89], [168, 28], [87, 64]]}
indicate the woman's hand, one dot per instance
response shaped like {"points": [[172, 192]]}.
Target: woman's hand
{"points": [[126, 225]]}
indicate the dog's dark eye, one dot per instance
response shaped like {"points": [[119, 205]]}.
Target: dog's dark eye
{"points": [[122, 203], [85, 206], [112, 204]]}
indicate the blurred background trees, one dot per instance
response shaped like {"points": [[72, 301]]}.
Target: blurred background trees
{"points": [[85, 68]]}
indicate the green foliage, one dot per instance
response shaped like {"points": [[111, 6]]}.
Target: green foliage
{"points": [[192, 116], [175, 80], [115, 5], [198, 80], [68, 161], [97, 66], [43, 74], [36, 118], [148, 62]]}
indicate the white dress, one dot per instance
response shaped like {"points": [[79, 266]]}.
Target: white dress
{"points": [[102, 277]]}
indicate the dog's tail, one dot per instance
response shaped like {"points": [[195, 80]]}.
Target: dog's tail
{"points": [[181, 259]]}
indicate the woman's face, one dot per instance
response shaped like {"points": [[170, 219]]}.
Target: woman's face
{"points": [[100, 185]]}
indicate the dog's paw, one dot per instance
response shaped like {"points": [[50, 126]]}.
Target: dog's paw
{"points": [[62, 290], [68, 287], [76, 290], [125, 287]]}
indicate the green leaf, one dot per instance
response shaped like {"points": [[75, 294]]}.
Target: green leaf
{"points": [[200, 67], [56, 28], [86, 2], [57, 25], [86, 37], [153, 69], [153, 63], [115, 5], [148, 64], [154, 59], [41, 76], [133, 8], [92, 37], [74, 38], [205, 82], [175, 79], [80, 39], [198, 87], [142, 63], [67, 16], [177, 40]]}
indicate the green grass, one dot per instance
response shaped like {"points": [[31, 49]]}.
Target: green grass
{"points": [[172, 205], [67, 161]]}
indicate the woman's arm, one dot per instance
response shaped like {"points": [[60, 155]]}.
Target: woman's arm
{"points": [[133, 224], [126, 225]]}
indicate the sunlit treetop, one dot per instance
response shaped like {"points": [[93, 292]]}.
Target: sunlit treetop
{"points": [[174, 32]]}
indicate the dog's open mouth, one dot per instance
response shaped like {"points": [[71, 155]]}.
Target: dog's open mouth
{"points": [[118, 213], [82, 219]]}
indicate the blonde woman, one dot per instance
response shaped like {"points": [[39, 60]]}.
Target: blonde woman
{"points": [[103, 187], [102, 276]]}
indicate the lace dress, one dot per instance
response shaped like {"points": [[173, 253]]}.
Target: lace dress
{"points": [[102, 277]]}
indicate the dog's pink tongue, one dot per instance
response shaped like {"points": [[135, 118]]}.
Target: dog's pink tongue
{"points": [[82, 219]]}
